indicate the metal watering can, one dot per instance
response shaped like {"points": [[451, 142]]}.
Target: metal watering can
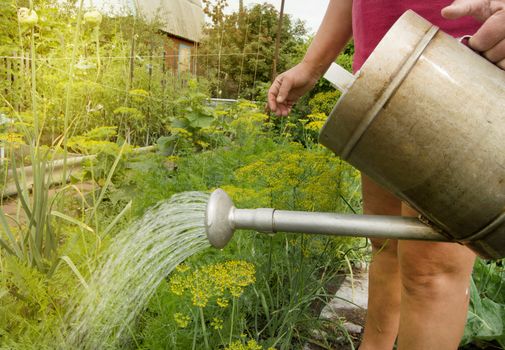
{"points": [[425, 118]]}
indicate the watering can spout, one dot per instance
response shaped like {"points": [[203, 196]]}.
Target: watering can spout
{"points": [[222, 219], [218, 225]]}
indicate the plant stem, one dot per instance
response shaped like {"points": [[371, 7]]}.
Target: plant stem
{"points": [[34, 90], [69, 89], [232, 319], [204, 329], [97, 42], [193, 347]]}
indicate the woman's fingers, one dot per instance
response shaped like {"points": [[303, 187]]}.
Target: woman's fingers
{"points": [[278, 95], [273, 92], [285, 87], [501, 64], [496, 53], [490, 38], [490, 34], [479, 9]]}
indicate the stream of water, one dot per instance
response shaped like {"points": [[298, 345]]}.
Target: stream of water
{"points": [[136, 262]]}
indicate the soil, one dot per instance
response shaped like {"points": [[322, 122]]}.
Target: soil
{"points": [[10, 205]]}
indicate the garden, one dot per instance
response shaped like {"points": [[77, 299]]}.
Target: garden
{"points": [[101, 138]]}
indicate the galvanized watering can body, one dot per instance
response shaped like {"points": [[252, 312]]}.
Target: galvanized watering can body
{"points": [[425, 118]]}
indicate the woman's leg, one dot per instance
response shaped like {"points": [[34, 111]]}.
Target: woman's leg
{"points": [[426, 283], [381, 325], [435, 281]]}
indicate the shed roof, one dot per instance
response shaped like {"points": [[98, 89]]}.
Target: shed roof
{"points": [[182, 18]]}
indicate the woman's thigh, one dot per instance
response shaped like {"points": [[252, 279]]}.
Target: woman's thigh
{"points": [[377, 200]]}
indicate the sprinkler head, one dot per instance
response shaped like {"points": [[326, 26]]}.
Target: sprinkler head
{"points": [[218, 223]]}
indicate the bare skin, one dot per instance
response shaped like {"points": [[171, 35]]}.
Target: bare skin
{"points": [[418, 291], [490, 38], [333, 34]]}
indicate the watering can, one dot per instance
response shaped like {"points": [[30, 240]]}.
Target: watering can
{"points": [[425, 118]]}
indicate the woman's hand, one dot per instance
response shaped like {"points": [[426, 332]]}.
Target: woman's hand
{"points": [[289, 86], [490, 38]]}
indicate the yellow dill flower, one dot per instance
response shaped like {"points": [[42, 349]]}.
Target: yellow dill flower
{"points": [[250, 345], [138, 95], [11, 137], [236, 291], [181, 320], [199, 298], [222, 302], [217, 323], [177, 285], [214, 281], [182, 268]]}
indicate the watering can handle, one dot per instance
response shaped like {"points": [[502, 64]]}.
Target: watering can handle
{"points": [[340, 78], [465, 40]]}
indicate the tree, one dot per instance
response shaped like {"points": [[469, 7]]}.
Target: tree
{"points": [[237, 51]]}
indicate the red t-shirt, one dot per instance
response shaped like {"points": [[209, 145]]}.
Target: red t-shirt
{"points": [[373, 18]]}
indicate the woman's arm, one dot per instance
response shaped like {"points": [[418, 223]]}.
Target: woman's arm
{"points": [[332, 36]]}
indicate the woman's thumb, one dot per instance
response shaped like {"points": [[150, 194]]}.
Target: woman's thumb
{"points": [[284, 89], [457, 9], [479, 9]]}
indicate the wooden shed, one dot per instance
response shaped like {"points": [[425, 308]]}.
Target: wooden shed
{"points": [[182, 22]]}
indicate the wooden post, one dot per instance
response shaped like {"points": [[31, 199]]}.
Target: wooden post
{"points": [[8, 62], [132, 59], [277, 41]]}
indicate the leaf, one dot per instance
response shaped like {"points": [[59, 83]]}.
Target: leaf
{"points": [[489, 279], [200, 120], [75, 270], [72, 220], [485, 319], [15, 248], [166, 145], [116, 219], [181, 123], [108, 180]]}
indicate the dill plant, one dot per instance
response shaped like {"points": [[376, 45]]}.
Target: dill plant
{"points": [[46, 254], [292, 272]]}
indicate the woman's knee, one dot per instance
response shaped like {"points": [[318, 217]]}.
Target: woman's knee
{"points": [[428, 269]]}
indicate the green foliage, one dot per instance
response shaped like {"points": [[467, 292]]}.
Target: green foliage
{"points": [[192, 115], [323, 102], [95, 141], [106, 88], [248, 49], [292, 271], [34, 242], [33, 303], [8, 27], [486, 314]]}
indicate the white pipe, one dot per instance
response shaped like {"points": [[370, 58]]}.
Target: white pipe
{"points": [[56, 165]]}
